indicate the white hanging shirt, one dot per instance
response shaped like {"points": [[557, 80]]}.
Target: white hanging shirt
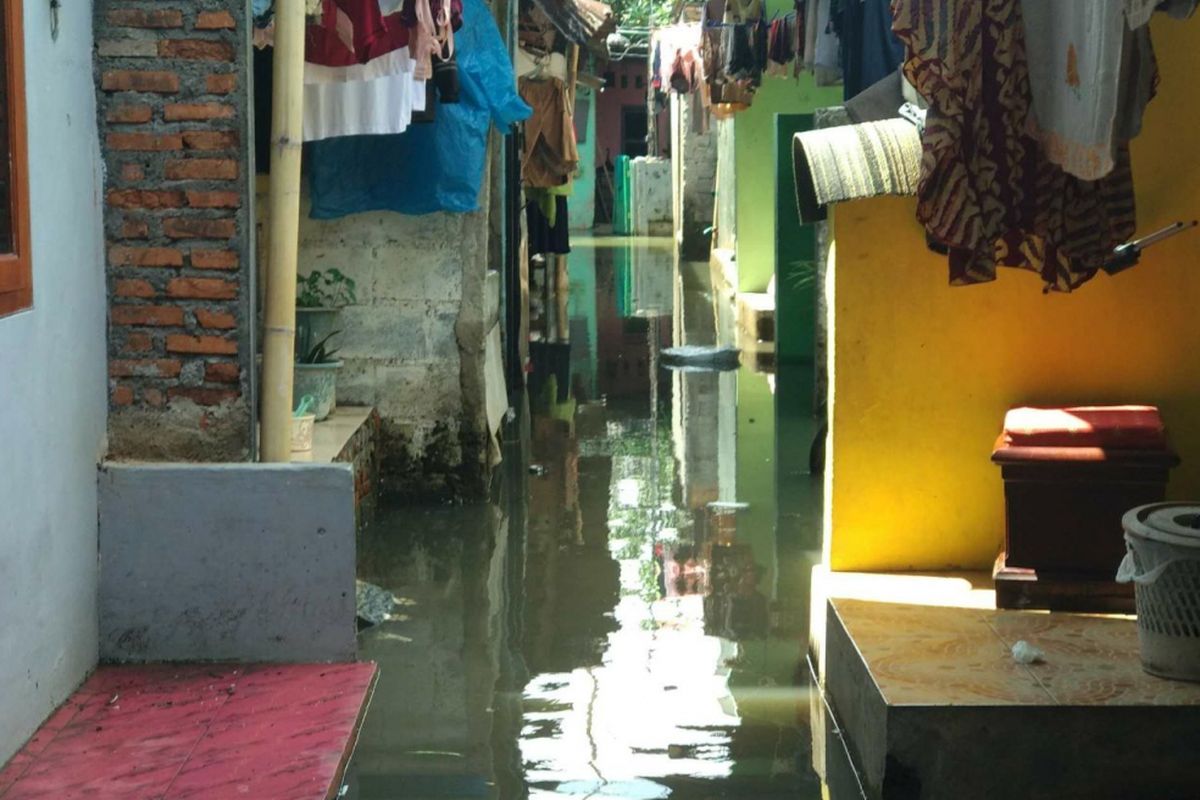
{"points": [[375, 98]]}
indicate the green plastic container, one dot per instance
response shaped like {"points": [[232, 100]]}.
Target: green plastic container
{"points": [[622, 198]]}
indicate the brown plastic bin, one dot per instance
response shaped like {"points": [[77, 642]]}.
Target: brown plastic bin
{"points": [[1070, 474]]}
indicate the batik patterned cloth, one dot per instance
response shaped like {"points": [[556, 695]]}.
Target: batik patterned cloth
{"points": [[987, 191]]}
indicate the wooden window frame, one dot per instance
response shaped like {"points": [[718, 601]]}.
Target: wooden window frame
{"points": [[16, 278]]}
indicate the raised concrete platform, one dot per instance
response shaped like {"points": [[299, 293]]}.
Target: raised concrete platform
{"points": [[197, 732], [931, 704]]}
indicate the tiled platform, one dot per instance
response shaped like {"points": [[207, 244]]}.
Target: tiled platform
{"points": [[933, 705], [202, 732]]}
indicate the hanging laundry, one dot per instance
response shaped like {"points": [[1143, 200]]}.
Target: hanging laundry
{"points": [[781, 45], [432, 24], [551, 155], [680, 67], [987, 191], [547, 220], [1091, 74], [823, 53], [375, 107], [869, 49], [352, 32], [434, 167]]}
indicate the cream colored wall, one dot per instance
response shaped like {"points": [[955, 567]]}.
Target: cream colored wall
{"points": [[922, 372]]}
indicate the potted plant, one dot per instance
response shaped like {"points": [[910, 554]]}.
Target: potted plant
{"points": [[316, 375], [320, 296]]}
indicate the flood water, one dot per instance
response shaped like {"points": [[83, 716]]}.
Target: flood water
{"points": [[629, 616]]}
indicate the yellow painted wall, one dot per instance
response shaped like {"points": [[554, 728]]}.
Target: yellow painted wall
{"points": [[923, 372]]}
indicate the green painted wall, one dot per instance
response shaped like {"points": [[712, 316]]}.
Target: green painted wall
{"points": [[754, 148], [582, 203]]}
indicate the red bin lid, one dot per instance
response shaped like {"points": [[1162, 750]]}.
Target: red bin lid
{"points": [[1107, 427]]}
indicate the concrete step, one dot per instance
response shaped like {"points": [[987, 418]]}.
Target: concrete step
{"points": [[932, 704]]}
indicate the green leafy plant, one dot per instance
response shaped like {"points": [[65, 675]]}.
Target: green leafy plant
{"points": [[642, 13], [320, 353], [329, 289]]}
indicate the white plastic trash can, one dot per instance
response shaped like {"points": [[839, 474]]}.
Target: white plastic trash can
{"points": [[1162, 559]]}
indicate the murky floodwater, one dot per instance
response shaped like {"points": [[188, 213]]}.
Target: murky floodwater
{"points": [[629, 617]]}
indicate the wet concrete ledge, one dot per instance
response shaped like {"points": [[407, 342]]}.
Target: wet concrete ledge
{"points": [[227, 562]]}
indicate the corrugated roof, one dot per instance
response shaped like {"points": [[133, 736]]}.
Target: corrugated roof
{"points": [[585, 22]]}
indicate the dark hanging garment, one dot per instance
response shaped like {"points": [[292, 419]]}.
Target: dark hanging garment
{"points": [[870, 49], [544, 236]]}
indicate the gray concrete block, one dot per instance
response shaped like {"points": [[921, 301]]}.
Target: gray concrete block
{"points": [[395, 331], [230, 562], [433, 388]]}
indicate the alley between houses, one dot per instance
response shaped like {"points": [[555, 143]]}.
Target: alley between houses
{"points": [[627, 616]]}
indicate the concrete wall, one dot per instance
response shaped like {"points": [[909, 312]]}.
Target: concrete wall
{"points": [[756, 168], [650, 185], [414, 342], [923, 372], [694, 180], [582, 203], [622, 90], [52, 391], [247, 562], [174, 99]]}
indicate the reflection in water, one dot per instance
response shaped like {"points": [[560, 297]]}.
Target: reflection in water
{"points": [[628, 617]]}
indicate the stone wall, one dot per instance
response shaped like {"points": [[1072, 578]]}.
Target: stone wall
{"points": [[174, 129], [696, 175], [413, 344]]}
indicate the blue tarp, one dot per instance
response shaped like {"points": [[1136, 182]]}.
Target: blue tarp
{"points": [[429, 167]]}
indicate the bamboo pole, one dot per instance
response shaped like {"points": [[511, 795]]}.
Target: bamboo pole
{"points": [[284, 223]]}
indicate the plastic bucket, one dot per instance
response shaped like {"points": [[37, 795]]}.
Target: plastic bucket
{"points": [[302, 432], [1162, 559]]}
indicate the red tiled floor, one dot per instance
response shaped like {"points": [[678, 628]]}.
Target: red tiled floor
{"points": [[176, 732]]}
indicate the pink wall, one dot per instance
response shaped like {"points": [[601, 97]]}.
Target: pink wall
{"points": [[622, 90]]}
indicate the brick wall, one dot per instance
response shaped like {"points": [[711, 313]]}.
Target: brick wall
{"points": [[175, 135]]}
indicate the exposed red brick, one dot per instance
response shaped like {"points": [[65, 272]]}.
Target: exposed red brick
{"points": [[214, 199], [135, 229], [218, 320], [222, 83], [147, 315], [202, 288], [195, 112], [214, 21], [204, 397], [125, 115], [210, 140], [195, 49], [152, 142], [132, 173], [127, 80], [143, 18], [222, 372], [144, 368], [153, 397], [145, 198], [145, 256], [192, 228], [201, 345], [133, 288], [138, 342], [122, 395], [201, 169], [214, 259]]}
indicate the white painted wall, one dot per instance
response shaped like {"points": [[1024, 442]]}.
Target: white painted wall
{"points": [[52, 390]]}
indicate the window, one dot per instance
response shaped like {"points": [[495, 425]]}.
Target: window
{"points": [[16, 285]]}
